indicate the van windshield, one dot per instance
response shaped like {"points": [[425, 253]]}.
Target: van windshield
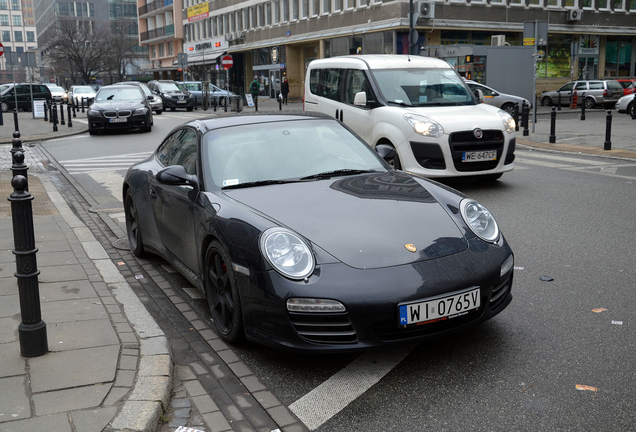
{"points": [[423, 87]]}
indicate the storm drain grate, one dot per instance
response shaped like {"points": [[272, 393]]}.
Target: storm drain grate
{"points": [[121, 244]]}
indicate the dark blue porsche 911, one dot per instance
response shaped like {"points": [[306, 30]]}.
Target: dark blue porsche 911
{"points": [[304, 238]]}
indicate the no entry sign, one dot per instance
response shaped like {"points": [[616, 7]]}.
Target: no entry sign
{"points": [[227, 61], [1, 50]]}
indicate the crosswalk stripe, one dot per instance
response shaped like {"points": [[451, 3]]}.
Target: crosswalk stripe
{"points": [[562, 158]]}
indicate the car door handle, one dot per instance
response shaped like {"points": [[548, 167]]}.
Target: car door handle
{"points": [[153, 193]]}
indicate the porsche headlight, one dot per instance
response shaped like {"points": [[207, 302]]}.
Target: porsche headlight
{"points": [[424, 125], [479, 219], [289, 254], [508, 121]]}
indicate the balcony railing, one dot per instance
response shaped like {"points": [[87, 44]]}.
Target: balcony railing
{"points": [[149, 7], [157, 33]]}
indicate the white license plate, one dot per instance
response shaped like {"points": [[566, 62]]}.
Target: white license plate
{"points": [[478, 156], [446, 307], [181, 101], [119, 120]]}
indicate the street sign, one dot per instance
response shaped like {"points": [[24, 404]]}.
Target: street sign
{"points": [[1, 50], [227, 61]]}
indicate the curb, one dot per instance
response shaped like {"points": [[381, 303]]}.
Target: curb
{"points": [[575, 148], [152, 388]]}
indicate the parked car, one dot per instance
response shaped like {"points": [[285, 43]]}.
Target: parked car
{"points": [[373, 261], [629, 85], [58, 93], [591, 92], [119, 107], [77, 93], [626, 105], [492, 97], [155, 101], [216, 94], [24, 94], [418, 105], [171, 95], [549, 98]]}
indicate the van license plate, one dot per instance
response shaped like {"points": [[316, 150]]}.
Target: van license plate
{"points": [[478, 156], [450, 306], [119, 120]]}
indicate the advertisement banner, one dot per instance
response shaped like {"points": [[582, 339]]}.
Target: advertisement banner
{"points": [[198, 12]]}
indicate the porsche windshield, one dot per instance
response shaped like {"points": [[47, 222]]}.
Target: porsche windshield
{"points": [[423, 87], [284, 150]]}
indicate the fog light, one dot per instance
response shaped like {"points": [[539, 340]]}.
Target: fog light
{"points": [[507, 266], [314, 305]]}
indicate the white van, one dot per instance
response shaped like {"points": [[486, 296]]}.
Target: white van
{"points": [[418, 105]]}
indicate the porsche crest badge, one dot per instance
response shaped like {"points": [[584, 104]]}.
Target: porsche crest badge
{"points": [[410, 247]]}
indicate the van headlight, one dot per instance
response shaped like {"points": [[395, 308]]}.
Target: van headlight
{"points": [[424, 125], [287, 252], [508, 121]]}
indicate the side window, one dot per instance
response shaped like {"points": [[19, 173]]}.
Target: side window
{"points": [[486, 91], [596, 86], [23, 89], [165, 150], [356, 82], [325, 83], [187, 154], [567, 87]]}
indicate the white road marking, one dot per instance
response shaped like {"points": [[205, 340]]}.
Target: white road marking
{"points": [[333, 395], [524, 160], [562, 158], [103, 163]]}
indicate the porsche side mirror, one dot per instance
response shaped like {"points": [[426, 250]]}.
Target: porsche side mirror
{"points": [[386, 152], [176, 175]]}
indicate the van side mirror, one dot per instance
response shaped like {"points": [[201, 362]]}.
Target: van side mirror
{"points": [[360, 99], [480, 95]]}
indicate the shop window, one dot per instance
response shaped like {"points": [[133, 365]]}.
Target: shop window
{"points": [[556, 61], [618, 57]]}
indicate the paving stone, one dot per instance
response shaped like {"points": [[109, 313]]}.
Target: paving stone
{"points": [[70, 400], [205, 404], [181, 403], [11, 362], [94, 420], [66, 290], [216, 422], [57, 423], [81, 334], [14, 403], [83, 310]]}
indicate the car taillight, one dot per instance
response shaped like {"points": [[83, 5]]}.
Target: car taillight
{"points": [[605, 93]]}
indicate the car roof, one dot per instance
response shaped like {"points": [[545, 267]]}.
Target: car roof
{"points": [[237, 119], [382, 61]]}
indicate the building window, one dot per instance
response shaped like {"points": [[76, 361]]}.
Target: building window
{"points": [[18, 36], [30, 36], [285, 10], [632, 5], [17, 20], [161, 50], [6, 36], [294, 10], [517, 2], [587, 4], [4, 20], [261, 15], [226, 24], [326, 7], [535, 3], [4, 5], [337, 6], [170, 48], [276, 11], [350, 4], [154, 51], [15, 4], [268, 14], [619, 5], [363, 3], [604, 5], [315, 7]]}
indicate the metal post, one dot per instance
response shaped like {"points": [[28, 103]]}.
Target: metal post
{"points": [[54, 116], [73, 107], [195, 102], [68, 111], [214, 100], [62, 115], [280, 101], [583, 107], [552, 126], [526, 114], [32, 330], [51, 112], [82, 103], [515, 116], [46, 113], [15, 119], [559, 101], [607, 145]]}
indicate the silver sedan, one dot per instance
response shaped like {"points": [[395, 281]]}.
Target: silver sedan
{"points": [[492, 97], [626, 105]]}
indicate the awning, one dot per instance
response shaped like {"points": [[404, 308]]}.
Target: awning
{"points": [[204, 58]]}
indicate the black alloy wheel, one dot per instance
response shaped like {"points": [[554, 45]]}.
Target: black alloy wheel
{"points": [[589, 103], [132, 226], [222, 293], [509, 108]]}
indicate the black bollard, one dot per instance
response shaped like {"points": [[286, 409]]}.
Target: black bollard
{"points": [[73, 108], [51, 112], [32, 330], [559, 101], [54, 118], [15, 119], [46, 117], [607, 145], [195, 103], [553, 126], [214, 103], [227, 102], [280, 102], [2, 119], [82, 103], [206, 99], [525, 116], [583, 108], [256, 103], [62, 115], [515, 116], [68, 111]]}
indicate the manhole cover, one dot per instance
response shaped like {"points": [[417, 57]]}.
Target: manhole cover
{"points": [[122, 244]]}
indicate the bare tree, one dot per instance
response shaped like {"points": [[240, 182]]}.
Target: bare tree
{"points": [[123, 40], [85, 46]]}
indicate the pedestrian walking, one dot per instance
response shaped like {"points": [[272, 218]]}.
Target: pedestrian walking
{"points": [[255, 87], [284, 89]]}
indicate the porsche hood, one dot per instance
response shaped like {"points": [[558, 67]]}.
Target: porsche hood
{"points": [[365, 221]]}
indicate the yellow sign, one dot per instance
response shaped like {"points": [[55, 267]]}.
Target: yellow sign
{"points": [[528, 41], [198, 12]]}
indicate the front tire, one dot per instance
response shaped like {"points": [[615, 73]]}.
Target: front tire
{"points": [[546, 101], [221, 290], [509, 108], [631, 110], [132, 227], [589, 103], [5, 107]]}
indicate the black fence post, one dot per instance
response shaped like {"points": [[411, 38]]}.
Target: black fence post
{"points": [[515, 116], [62, 123], [46, 114], [195, 102], [82, 103], [280, 102], [73, 108], [54, 117], [526, 114], [32, 330], [68, 111], [583, 107], [552, 138], [607, 145], [15, 119], [559, 101]]}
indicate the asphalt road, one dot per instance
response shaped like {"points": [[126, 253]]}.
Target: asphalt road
{"points": [[569, 219]]}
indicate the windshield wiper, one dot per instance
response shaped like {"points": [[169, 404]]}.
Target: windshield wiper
{"points": [[335, 173], [110, 97], [258, 183], [400, 103]]}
